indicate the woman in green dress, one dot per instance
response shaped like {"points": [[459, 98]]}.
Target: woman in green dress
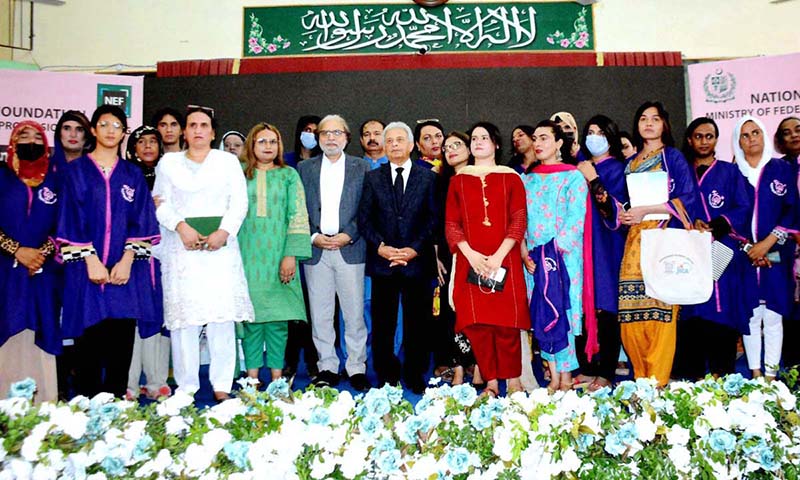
{"points": [[274, 238]]}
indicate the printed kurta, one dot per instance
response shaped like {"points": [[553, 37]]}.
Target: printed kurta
{"points": [[723, 191], [107, 215], [276, 226], [201, 286], [29, 217], [484, 207], [557, 211]]}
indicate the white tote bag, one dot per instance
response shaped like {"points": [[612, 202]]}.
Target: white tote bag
{"points": [[676, 265]]}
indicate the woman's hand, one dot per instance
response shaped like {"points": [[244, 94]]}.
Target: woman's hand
{"points": [[477, 261], [98, 274], [30, 258], [441, 271], [530, 265], [287, 269], [633, 216], [189, 237], [588, 170], [121, 272], [759, 250], [493, 264], [216, 240]]}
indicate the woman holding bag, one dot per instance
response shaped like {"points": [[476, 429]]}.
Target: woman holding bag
{"points": [[648, 325]]}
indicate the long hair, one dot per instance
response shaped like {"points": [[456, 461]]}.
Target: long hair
{"points": [[248, 153], [446, 171], [666, 134], [566, 147], [302, 123], [494, 135], [780, 144], [611, 132], [75, 116], [688, 151]]}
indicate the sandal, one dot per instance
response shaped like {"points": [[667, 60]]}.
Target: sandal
{"points": [[598, 384], [490, 392]]}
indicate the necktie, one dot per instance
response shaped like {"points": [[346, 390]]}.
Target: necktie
{"points": [[398, 186]]}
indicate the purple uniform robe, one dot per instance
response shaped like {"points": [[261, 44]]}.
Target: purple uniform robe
{"points": [[108, 216], [775, 202], [723, 191], [608, 235], [29, 216]]}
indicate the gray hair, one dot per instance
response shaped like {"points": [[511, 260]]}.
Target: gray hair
{"points": [[338, 117], [401, 125]]}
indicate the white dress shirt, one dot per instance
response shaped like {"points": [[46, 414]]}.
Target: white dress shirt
{"points": [[406, 171], [331, 183]]}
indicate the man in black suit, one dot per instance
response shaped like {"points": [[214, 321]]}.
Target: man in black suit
{"points": [[397, 217]]}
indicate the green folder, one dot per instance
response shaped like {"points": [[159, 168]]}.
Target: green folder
{"points": [[205, 226]]}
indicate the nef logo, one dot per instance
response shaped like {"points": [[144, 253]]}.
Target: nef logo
{"points": [[550, 265], [715, 199], [778, 188], [117, 95]]}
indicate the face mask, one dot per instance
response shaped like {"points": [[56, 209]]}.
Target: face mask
{"points": [[308, 140], [597, 144], [29, 151]]}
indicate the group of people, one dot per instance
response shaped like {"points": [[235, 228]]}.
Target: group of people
{"points": [[112, 257]]}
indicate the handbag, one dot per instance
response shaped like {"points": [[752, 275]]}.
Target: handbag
{"points": [[495, 283], [676, 265]]}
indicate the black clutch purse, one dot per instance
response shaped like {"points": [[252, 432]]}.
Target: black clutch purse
{"points": [[495, 283]]}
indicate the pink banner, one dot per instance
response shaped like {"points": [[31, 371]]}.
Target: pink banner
{"points": [[45, 96], [767, 88]]}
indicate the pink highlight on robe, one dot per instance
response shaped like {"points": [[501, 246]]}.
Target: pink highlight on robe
{"points": [[30, 199], [543, 264], [107, 238]]}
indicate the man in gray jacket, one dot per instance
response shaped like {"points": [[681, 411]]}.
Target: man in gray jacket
{"points": [[333, 183]]}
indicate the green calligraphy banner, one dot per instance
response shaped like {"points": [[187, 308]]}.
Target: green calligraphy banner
{"points": [[467, 27]]}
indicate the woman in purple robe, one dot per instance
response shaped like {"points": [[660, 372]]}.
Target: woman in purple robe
{"points": [[106, 230], [29, 276]]}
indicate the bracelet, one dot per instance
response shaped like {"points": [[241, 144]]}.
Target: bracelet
{"points": [[141, 250], [74, 253], [781, 235]]}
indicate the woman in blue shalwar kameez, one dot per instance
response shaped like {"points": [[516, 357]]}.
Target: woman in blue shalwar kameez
{"points": [[106, 230]]}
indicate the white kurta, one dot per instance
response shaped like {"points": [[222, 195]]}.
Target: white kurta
{"points": [[201, 287]]}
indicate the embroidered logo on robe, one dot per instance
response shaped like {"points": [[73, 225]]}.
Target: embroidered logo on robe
{"points": [[550, 265], [778, 188], [47, 196], [127, 193], [671, 185], [715, 199]]}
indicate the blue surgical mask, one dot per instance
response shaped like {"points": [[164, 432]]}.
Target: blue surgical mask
{"points": [[308, 140], [597, 144]]}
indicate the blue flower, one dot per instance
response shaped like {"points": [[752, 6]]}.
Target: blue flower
{"points": [[377, 402], [237, 453], [320, 416], [722, 441], [393, 393], [752, 443], [457, 460], [108, 412], [604, 410], [645, 389], [23, 389], [602, 393], [383, 445], [625, 390], [140, 450], [389, 461], [464, 394], [278, 388], [424, 403], [496, 406], [628, 433], [370, 425], [113, 466], [414, 425], [614, 445], [766, 458], [585, 440], [481, 418], [733, 383]]}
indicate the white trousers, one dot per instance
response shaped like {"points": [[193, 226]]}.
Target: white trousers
{"points": [[151, 355], [773, 340], [186, 356], [333, 276], [528, 380]]}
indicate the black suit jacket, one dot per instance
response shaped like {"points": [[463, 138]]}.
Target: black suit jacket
{"points": [[412, 224]]}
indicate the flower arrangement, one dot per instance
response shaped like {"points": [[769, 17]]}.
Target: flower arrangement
{"points": [[257, 44], [579, 38], [727, 428]]}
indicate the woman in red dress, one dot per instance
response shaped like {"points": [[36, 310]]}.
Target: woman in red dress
{"points": [[485, 221]]}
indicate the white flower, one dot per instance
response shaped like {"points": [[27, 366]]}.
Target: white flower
{"points": [[423, 468], [786, 400], [342, 409], [678, 435], [15, 407], [645, 428], [570, 462], [323, 465], [70, 423], [680, 456], [97, 476], [2, 452], [79, 401], [101, 399], [503, 447], [173, 405], [176, 425], [214, 440], [44, 472], [197, 459], [32, 444], [226, 411], [717, 417], [353, 458], [20, 468]]}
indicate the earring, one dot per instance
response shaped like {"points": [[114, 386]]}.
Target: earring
{"points": [[558, 155]]}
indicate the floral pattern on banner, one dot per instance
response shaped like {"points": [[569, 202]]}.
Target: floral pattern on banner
{"points": [[726, 428], [579, 38], [256, 42]]}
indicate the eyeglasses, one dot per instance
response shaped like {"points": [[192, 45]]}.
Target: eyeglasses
{"points": [[114, 125], [426, 120], [454, 146], [198, 108], [263, 141], [331, 133]]}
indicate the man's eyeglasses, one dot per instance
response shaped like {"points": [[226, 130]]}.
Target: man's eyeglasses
{"points": [[426, 120], [331, 133], [198, 108], [454, 146]]}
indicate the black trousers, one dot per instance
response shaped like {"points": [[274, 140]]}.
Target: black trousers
{"points": [[704, 347], [447, 351], [604, 362], [103, 357], [417, 298], [300, 337], [790, 355]]}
